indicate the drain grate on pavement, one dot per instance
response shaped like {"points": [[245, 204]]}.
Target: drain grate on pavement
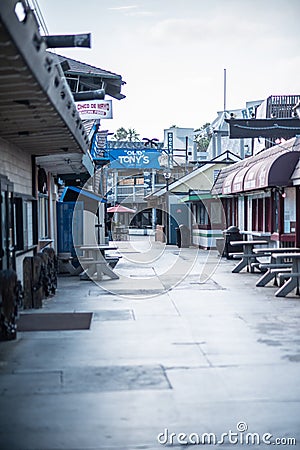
{"points": [[119, 314], [115, 378]]}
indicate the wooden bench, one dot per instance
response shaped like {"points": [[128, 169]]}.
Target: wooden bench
{"points": [[65, 265], [293, 277], [247, 259], [248, 256], [271, 271], [113, 260], [293, 280], [100, 267], [236, 255]]}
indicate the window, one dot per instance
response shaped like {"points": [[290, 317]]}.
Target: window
{"points": [[276, 212], [139, 180], [23, 223], [215, 213], [126, 182], [289, 209], [130, 181], [202, 216], [43, 216]]}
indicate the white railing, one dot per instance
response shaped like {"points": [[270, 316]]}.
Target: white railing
{"points": [[131, 191]]}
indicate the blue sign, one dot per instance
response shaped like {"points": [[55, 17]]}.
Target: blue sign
{"points": [[170, 142], [122, 158], [99, 145]]}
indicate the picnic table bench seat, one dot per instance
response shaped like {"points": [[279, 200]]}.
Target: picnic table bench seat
{"points": [[113, 260], [101, 267], [65, 265]]}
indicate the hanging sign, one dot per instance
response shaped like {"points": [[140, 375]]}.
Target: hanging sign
{"points": [[134, 159], [95, 109]]}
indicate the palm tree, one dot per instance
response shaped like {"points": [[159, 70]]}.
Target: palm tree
{"points": [[121, 134], [203, 138], [129, 135], [132, 135]]}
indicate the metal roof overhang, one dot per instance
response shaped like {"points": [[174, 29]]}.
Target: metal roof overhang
{"points": [[274, 170], [37, 111], [268, 128], [197, 197], [62, 164], [82, 192]]}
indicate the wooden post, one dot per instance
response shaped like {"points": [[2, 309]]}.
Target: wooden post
{"points": [[27, 282], [8, 304]]}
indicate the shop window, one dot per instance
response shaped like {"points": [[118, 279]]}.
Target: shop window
{"points": [[202, 215], [231, 211], [289, 196], [276, 212], [260, 214], [23, 224], [43, 205], [43, 213], [267, 214], [215, 213]]}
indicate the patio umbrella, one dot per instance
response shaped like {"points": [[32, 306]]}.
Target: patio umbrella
{"points": [[121, 209]]}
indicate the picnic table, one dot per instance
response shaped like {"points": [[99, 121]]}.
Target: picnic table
{"points": [[95, 262], [293, 277], [273, 268], [248, 257]]}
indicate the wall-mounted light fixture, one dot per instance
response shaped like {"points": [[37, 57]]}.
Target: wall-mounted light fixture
{"points": [[281, 192]]}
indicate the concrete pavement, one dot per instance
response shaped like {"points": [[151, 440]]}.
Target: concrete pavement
{"points": [[178, 344]]}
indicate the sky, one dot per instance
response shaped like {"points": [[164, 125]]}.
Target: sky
{"points": [[172, 55]]}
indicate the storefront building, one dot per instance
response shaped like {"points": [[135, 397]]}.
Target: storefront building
{"points": [[188, 201], [259, 196], [44, 142]]}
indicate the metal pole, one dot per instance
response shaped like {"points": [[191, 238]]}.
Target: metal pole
{"points": [[224, 90], [186, 153]]}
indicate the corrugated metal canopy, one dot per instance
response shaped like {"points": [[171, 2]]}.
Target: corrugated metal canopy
{"points": [[273, 171], [37, 111], [272, 167]]}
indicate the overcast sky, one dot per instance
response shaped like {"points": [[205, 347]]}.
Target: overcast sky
{"points": [[172, 54]]}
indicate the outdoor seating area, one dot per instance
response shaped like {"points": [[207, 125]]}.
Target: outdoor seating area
{"points": [[279, 265], [95, 264], [248, 257]]}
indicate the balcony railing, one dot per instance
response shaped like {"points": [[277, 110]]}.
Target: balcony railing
{"points": [[131, 191]]}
